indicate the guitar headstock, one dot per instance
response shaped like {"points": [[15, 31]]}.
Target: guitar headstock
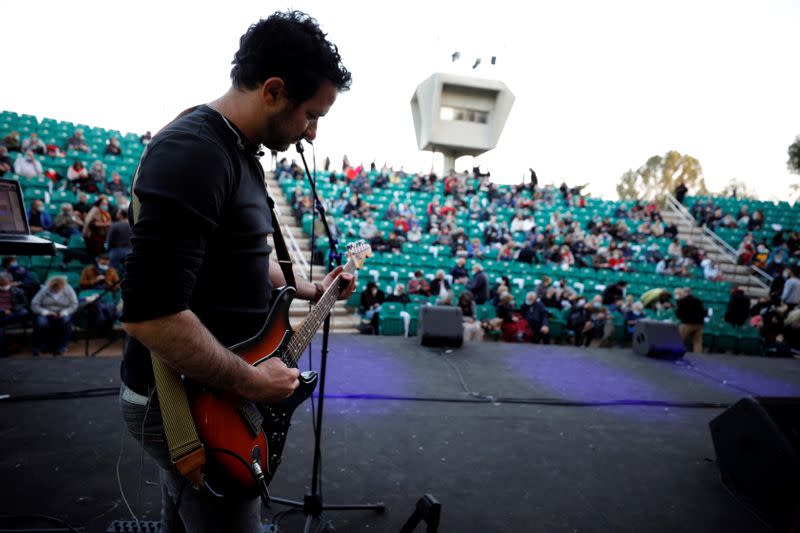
{"points": [[358, 252]]}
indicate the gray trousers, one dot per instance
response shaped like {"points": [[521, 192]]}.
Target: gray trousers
{"points": [[183, 508]]}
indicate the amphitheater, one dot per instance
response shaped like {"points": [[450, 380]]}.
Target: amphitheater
{"points": [[503, 436]]}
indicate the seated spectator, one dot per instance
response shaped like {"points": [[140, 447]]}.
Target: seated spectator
{"points": [[675, 249], [28, 166], [711, 271], [391, 212], [13, 308], [475, 249], [537, 316], [579, 322], [20, 276], [415, 232], [53, 306], [459, 272], [756, 222], [665, 267], [401, 225], [116, 185], [600, 259], [632, 316], [77, 174], [479, 284], [602, 329], [439, 286], [367, 229], [691, 314], [418, 284], [77, 142], [34, 144], [101, 276], [39, 219], [544, 286], [394, 243], [506, 252], [551, 299], [399, 295], [527, 254], [515, 328], [473, 331], [67, 223], [617, 262], [12, 142], [82, 206], [498, 289], [113, 147], [759, 258], [145, 139], [6, 163], [371, 299], [97, 179]]}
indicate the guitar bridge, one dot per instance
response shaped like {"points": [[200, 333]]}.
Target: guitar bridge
{"points": [[252, 417]]}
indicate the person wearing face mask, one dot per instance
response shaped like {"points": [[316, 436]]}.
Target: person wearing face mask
{"points": [[13, 308], [28, 166], [38, 218], [95, 227], [537, 316], [101, 276], [53, 305]]}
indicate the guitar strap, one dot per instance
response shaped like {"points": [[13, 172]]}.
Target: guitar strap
{"points": [[280, 246]]}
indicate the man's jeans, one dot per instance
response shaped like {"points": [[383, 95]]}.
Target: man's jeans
{"points": [[198, 511]]}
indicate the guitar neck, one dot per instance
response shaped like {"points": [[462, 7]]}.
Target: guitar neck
{"points": [[299, 341]]}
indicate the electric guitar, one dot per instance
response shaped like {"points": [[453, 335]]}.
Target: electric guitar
{"points": [[245, 440]]}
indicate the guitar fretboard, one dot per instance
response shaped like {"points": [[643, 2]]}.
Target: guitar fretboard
{"points": [[306, 331]]}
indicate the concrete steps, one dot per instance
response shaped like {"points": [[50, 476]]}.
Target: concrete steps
{"points": [[342, 320], [731, 272]]}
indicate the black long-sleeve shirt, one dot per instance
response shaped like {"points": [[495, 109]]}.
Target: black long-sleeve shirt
{"points": [[200, 221]]}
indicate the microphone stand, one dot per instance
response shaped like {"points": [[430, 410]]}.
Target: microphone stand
{"points": [[312, 504]]}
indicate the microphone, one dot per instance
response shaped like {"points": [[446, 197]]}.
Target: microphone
{"points": [[299, 145]]}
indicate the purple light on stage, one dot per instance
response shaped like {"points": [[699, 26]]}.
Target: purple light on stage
{"points": [[580, 375], [364, 366]]}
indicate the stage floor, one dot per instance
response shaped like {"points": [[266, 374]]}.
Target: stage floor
{"points": [[507, 437]]}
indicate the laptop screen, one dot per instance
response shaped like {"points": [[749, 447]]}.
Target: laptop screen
{"points": [[12, 212]]}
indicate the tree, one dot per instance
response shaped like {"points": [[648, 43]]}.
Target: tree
{"points": [[661, 174], [740, 188], [794, 156]]}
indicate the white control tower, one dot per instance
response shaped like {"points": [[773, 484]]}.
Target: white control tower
{"points": [[459, 115]]}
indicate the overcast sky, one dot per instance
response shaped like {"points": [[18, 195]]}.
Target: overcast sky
{"points": [[599, 86]]}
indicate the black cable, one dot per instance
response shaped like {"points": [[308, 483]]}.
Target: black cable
{"points": [[34, 516], [64, 395], [688, 364], [557, 402]]}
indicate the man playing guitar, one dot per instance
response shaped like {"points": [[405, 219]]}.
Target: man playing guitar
{"points": [[200, 217]]}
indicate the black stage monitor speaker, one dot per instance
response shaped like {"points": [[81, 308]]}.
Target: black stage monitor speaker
{"points": [[441, 325], [757, 442], [658, 339]]}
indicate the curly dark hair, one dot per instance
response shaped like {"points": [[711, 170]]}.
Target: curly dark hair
{"points": [[291, 46]]}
